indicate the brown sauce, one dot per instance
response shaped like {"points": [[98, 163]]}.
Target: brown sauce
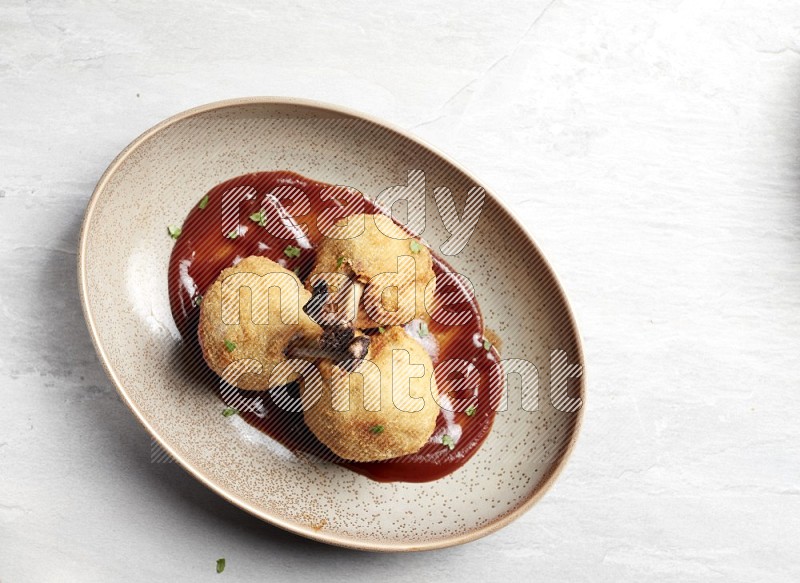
{"points": [[205, 248]]}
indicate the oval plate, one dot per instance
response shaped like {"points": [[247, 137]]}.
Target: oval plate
{"points": [[122, 269]]}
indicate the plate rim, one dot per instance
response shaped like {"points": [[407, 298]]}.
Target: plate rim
{"points": [[308, 531]]}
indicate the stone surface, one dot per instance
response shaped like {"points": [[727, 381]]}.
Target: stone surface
{"points": [[652, 149]]}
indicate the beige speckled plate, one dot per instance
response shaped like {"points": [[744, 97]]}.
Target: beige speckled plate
{"points": [[124, 252]]}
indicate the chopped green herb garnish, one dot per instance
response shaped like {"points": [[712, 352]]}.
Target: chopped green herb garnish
{"points": [[230, 346], [198, 299], [203, 202], [233, 234], [486, 344], [448, 442], [415, 247], [228, 411], [259, 218], [381, 329], [174, 231], [220, 565], [423, 330], [471, 410], [291, 251], [339, 262], [376, 429]]}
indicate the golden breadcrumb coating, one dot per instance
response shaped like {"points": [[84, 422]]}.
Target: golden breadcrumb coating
{"points": [[373, 252], [249, 315], [377, 412]]}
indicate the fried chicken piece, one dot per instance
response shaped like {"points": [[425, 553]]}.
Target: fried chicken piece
{"points": [[249, 317], [381, 273], [383, 407]]}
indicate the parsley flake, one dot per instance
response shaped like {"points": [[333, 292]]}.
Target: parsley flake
{"points": [[233, 234], [174, 231], [198, 299], [220, 565], [376, 429], [340, 261], [486, 344], [230, 346], [448, 442], [471, 410], [203, 202], [228, 411], [415, 247], [381, 329], [291, 251], [423, 330], [259, 218]]}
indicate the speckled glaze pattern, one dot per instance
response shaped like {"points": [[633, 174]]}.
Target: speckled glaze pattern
{"points": [[124, 253]]}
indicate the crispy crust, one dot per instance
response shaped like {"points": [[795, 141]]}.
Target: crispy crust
{"points": [[265, 325], [352, 434], [373, 252]]}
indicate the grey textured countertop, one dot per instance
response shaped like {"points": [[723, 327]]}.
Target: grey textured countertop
{"points": [[651, 147]]}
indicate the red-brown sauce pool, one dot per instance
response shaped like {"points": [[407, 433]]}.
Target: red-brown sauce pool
{"points": [[219, 231]]}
